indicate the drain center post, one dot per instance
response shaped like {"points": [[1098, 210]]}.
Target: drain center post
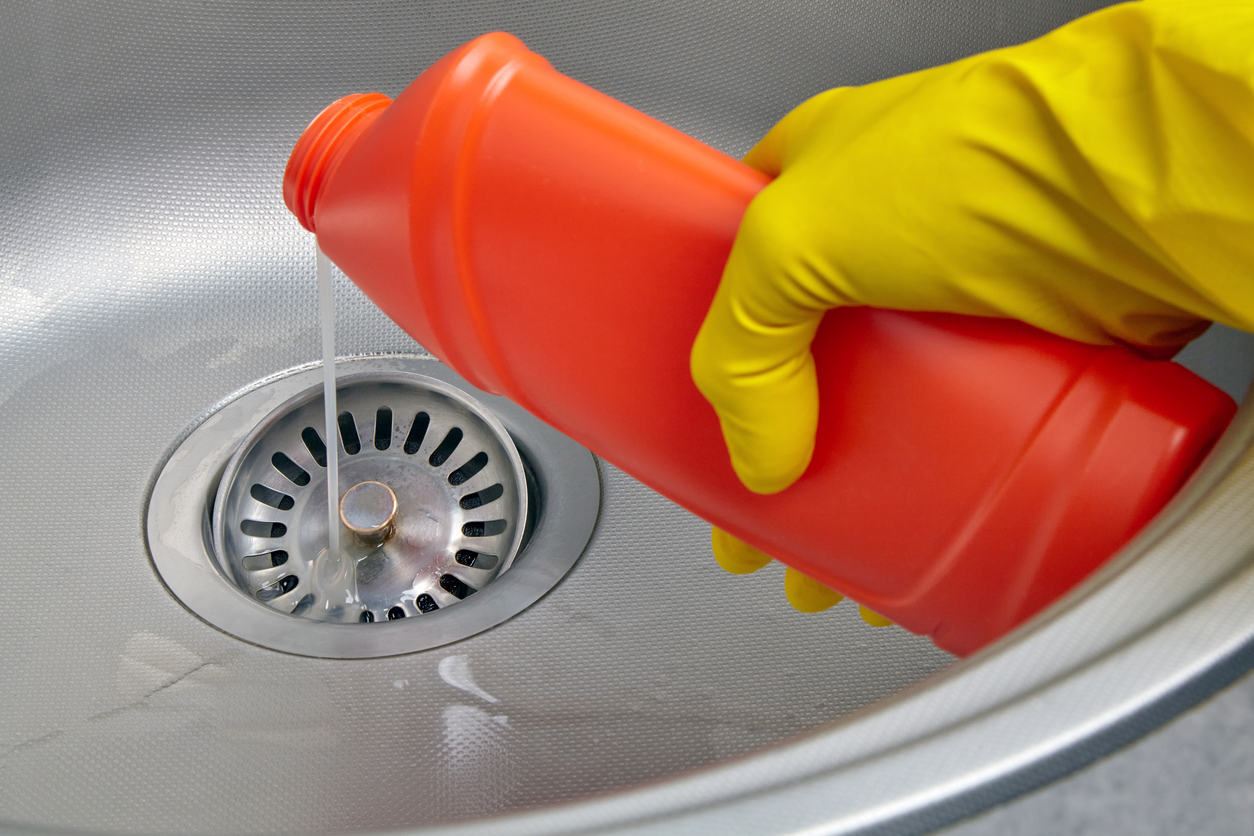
{"points": [[368, 510]]}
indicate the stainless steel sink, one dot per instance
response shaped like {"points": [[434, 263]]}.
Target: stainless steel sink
{"points": [[149, 274]]}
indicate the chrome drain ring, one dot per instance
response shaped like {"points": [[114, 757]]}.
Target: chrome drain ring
{"points": [[552, 522]]}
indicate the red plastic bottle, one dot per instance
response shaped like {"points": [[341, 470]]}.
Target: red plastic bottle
{"points": [[559, 248]]}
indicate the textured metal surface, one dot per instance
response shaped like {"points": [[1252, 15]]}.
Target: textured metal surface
{"points": [[148, 270]]}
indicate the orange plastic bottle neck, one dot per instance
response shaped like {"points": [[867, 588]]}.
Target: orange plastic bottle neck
{"points": [[321, 146]]}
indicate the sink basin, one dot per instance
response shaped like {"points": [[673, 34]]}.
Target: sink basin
{"points": [[149, 274]]}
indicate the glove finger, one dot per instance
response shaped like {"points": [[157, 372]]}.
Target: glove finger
{"points": [[751, 359], [808, 595], [873, 618], [736, 556]]}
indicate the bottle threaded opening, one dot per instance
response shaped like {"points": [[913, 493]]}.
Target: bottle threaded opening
{"points": [[320, 146]]}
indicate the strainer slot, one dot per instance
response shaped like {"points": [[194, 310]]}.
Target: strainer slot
{"points": [[425, 603], [471, 501], [263, 561], [348, 434], [477, 463], [455, 586], [367, 617], [258, 528], [313, 443], [477, 560], [278, 588], [271, 497], [291, 471], [395, 613], [383, 428], [446, 447], [417, 432], [303, 604], [485, 528]]}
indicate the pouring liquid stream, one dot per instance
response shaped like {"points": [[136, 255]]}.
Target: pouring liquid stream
{"points": [[335, 570], [326, 308]]}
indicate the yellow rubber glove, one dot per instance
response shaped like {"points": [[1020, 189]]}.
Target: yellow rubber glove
{"points": [[803, 592], [1097, 182]]}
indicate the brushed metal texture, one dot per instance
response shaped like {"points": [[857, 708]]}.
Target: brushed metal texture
{"points": [[148, 270]]}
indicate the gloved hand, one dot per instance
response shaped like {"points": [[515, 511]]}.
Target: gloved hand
{"points": [[1097, 183], [803, 592]]}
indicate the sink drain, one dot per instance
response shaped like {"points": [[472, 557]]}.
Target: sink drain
{"points": [[458, 509], [435, 505]]}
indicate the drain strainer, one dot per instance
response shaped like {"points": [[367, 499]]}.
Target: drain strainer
{"points": [[433, 502], [457, 511]]}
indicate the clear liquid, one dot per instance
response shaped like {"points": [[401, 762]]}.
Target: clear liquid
{"points": [[334, 572], [326, 307]]}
